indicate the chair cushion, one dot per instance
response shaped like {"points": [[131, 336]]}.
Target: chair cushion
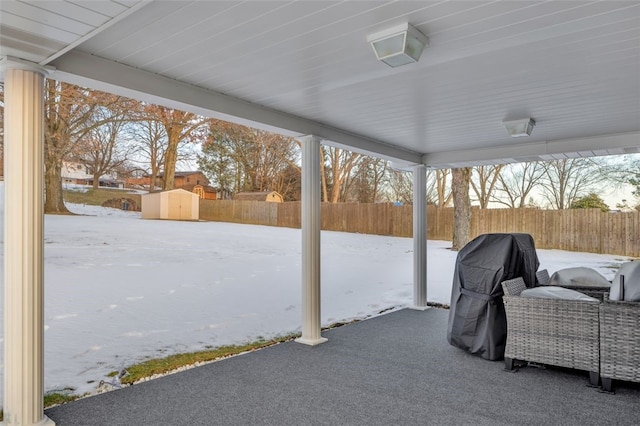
{"points": [[553, 292], [631, 272], [578, 277]]}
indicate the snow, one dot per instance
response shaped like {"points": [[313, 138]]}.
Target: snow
{"points": [[120, 289]]}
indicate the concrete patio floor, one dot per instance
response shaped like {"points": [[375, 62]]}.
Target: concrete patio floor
{"points": [[394, 369]]}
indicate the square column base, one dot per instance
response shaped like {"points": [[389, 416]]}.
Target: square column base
{"points": [[419, 308], [311, 342], [46, 421]]}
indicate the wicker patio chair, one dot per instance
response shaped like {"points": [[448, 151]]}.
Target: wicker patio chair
{"points": [[619, 342], [563, 333], [542, 276]]}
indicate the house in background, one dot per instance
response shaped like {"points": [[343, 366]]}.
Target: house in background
{"points": [[182, 179], [192, 181], [205, 192], [77, 173], [269, 196]]}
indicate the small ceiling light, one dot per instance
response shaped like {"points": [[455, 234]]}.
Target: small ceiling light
{"points": [[519, 128], [399, 45]]}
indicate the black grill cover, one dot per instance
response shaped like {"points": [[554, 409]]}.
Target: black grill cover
{"points": [[477, 321]]}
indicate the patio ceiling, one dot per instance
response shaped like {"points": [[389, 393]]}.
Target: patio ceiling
{"points": [[305, 67]]}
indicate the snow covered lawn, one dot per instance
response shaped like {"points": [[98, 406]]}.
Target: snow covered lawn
{"points": [[120, 289]]}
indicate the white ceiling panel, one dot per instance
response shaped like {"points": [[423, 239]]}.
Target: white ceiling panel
{"points": [[73, 12], [302, 66], [106, 8]]}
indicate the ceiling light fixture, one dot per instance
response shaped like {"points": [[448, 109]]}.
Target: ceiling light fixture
{"points": [[519, 128], [399, 45]]}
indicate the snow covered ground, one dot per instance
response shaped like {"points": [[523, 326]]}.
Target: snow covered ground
{"points": [[120, 289]]}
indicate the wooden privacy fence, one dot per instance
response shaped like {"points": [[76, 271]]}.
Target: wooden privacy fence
{"points": [[586, 230]]}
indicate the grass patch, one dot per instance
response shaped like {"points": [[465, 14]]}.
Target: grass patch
{"points": [[95, 197], [164, 365], [170, 363], [57, 398]]}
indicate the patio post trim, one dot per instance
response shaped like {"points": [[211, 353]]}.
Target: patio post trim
{"points": [[24, 244], [420, 237], [311, 323]]}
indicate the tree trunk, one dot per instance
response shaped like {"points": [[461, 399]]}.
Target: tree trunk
{"points": [[323, 176], [460, 179], [441, 185], [170, 160], [153, 177], [54, 202], [336, 176]]}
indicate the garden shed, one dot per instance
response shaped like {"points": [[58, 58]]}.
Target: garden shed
{"points": [[176, 204], [270, 196]]}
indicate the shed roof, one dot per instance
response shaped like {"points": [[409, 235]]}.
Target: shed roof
{"points": [[178, 190]]}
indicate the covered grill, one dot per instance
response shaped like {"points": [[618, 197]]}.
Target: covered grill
{"points": [[477, 320]]}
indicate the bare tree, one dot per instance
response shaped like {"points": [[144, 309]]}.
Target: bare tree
{"points": [[265, 162], [460, 180], [149, 141], [239, 158], [483, 182], [70, 115], [443, 187], [438, 189], [340, 163], [101, 150], [516, 182], [432, 187], [400, 186], [290, 183], [179, 127], [568, 179], [621, 172], [367, 180]]}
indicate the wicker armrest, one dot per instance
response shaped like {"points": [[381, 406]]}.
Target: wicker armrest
{"points": [[513, 287], [542, 276]]}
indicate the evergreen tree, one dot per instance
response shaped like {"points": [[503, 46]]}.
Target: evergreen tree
{"points": [[591, 201]]}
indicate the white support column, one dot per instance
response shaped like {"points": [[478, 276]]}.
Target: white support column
{"points": [[420, 238], [23, 244], [311, 323]]}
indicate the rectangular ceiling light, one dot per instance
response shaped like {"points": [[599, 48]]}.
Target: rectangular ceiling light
{"points": [[399, 45], [519, 128]]}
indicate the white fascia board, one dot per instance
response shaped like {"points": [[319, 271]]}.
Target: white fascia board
{"points": [[93, 72], [536, 151]]}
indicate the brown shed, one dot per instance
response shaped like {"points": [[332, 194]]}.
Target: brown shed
{"points": [[269, 196], [176, 204], [205, 192]]}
